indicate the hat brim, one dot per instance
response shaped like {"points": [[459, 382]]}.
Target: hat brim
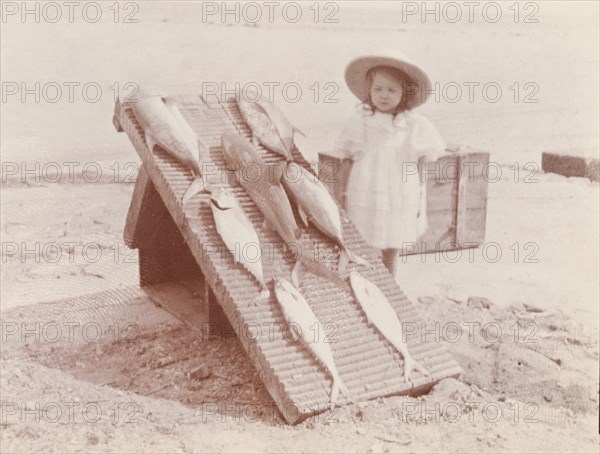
{"points": [[356, 78]]}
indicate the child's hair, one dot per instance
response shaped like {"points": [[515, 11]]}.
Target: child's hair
{"points": [[397, 75]]}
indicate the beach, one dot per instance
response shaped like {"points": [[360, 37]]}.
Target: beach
{"points": [[513, 88]]}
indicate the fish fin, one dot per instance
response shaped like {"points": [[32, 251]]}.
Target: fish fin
{"points": [[409, 365], [335, 391], [262, 296], [279, 168], [293, 332], [150, 142], [295, 276], [193, 164], [289, 145], [344, 390], [356, 258], [203, 150], [303, 216], [319, 269], [196, 187], [343, 261], [295, 129], [267, 226]]}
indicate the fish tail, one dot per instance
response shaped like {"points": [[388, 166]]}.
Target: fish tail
{"points": [[264, 295], [194, 166], [345, 391], [355, 258], [338, 386], [197, 186], [203, 151], [296, 272], [298, 131], [343, 261], [335, 391], [325, 272]]}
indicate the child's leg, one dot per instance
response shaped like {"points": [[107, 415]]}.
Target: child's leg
{"points": [[391, 259]]}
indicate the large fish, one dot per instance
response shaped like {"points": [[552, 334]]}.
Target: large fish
{"points": [[317, 206], [383, 317], [269, 125], [265, 189], [164, 125], [297, 312], [263, 186], [237, 233]]}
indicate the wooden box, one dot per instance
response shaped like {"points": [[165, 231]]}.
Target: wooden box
{"points": [[457, 186]]}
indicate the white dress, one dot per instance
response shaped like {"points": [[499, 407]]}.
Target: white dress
{"points": [[384, 198]]}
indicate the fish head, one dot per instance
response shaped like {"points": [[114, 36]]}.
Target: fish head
{"points": [[356, 281], [238, 151], [294, 171], [222, 198], [284, 287], [280, 284], [230, 142]]}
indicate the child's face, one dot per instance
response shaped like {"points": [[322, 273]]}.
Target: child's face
{"points": [[386, 92]]}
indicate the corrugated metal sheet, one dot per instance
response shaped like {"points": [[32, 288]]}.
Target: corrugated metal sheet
{"points": [[297, 383]]}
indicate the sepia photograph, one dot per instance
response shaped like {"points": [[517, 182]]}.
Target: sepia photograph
{"points": [[300, 226]]}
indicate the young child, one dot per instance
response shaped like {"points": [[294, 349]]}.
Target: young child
{"points": [[388, 141]]}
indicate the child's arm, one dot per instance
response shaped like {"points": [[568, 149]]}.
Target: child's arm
{"points": [[350, 143], [425, 138]]}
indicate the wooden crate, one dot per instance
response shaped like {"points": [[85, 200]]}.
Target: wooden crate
{"points": [[456, 198]]}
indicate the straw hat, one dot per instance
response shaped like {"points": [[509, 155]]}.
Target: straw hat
{"points": [[356, 75]]}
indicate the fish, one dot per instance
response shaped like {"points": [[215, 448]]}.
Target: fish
{"points": [[383, 317], [316, 206], [264, 188], [269, 125], [164, 126], [297, 312], [237, 231], [262, 184]]}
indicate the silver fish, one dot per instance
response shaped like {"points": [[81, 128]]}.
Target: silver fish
{"points": [[237, 231], [263, 187], [269, 125], [383, 317], [164, 126], [317, 206], [296, 310]]}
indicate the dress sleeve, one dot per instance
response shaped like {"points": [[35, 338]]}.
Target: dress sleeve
{"points": [[351, 141], [424, 137]]}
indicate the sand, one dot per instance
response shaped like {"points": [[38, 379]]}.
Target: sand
{"points": [[161, 387]]}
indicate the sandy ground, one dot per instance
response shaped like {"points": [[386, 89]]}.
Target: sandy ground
{"points": [[148, 384]]}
